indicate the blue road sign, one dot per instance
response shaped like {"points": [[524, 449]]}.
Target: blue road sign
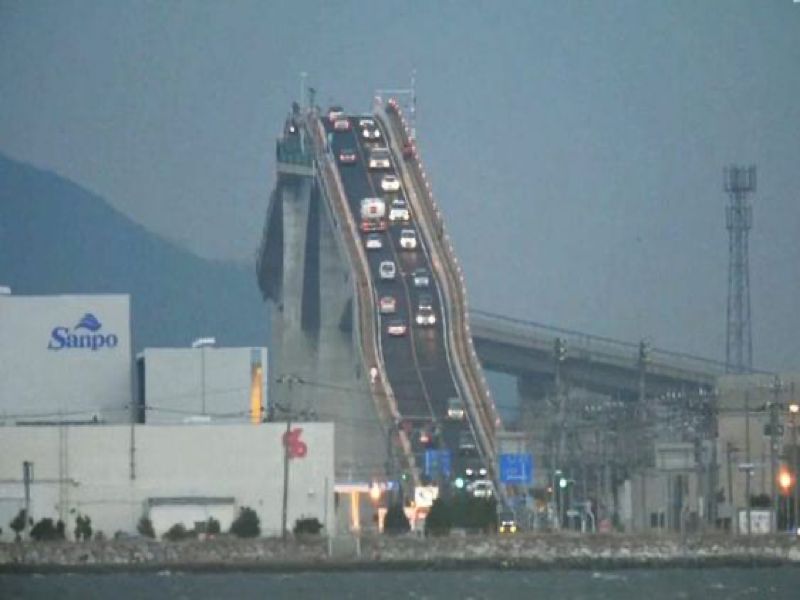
{"points": [[437, 462], [516, 468]]}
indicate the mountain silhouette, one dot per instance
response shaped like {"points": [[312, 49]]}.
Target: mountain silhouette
{"points": [[58, 238]]}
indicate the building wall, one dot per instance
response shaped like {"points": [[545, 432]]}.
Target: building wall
{"points": [[110, 472], [183, 383], [40, 380]]}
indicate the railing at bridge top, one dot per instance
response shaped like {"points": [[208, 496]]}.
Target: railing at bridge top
{"points": [[584, 345]]}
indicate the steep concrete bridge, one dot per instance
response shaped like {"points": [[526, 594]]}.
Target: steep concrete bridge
{"points": [[333, 354]]}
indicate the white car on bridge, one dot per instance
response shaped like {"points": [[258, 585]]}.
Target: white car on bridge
{"points": [[408, 239], [387, 305], [390, 183], [398, 211], [387, 270]]}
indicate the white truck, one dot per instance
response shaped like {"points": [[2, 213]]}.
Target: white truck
{"points": [[373, 214]]}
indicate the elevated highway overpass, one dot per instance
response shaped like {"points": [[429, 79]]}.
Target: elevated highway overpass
{"points": [[599, 364]]}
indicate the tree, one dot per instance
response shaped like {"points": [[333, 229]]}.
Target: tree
{"points": [[246, 523], [307, 526], [438, 522], [18, 524], [83, 528], [61, 530], [396, 521], [145, 528], [212, 527]]}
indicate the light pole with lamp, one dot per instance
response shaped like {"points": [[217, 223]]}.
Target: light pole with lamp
{"points": [[794, 408], [203, 343]]}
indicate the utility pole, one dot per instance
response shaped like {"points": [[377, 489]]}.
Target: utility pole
{"points": [[644, 358], [288, 380], [728, 462], [27, 479], [748, 464], [794, 408], [560, 355], [773, 451]]}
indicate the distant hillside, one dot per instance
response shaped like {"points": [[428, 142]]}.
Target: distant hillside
{"points": [[56, 237]]}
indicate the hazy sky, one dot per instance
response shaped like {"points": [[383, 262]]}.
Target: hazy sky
{"points": [[576, 147]]}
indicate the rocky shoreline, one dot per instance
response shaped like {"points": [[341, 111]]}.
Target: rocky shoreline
{"points": [[399, 553]]}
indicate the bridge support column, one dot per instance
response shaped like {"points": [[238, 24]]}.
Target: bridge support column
{"points": [[345, 395], [295, 348]]}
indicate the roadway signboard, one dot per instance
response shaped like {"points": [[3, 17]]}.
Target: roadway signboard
{"points": [[516, 469], [437, 462]]}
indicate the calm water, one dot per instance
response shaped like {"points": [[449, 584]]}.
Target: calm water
{"points": [[705, 584]]}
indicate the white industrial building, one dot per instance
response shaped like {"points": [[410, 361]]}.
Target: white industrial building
{"points": [[65, 358], [116, 474], [205, 383]]}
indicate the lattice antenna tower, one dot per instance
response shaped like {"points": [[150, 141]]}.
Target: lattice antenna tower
{"points": [[739, 182]]}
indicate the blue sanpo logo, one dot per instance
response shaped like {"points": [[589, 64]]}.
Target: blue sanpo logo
{"points": [[86, 334]]}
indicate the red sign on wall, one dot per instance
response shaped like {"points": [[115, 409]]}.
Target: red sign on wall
{"points": [[295, 447]]}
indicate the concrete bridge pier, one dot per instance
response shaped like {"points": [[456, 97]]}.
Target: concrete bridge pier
{"points": [[296, 348], [344, 394]]}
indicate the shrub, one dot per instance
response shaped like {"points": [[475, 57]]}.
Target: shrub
{"points": [[396, 521], [178, 532], [246, 523], [44, 531], [145, 527], [438, 521], [308, 525]]}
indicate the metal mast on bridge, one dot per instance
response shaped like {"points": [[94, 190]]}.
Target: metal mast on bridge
{"points": [[739, 181]]}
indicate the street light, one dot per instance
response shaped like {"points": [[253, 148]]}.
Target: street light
{"points": [[203, 343]]}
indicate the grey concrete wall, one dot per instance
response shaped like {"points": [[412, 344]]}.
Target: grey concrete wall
{"points": [[175, 380], [87, 470]]}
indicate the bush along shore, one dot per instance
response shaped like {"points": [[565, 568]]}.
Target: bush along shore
{"points": [[314, 552]]}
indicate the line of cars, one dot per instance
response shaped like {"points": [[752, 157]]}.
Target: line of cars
{"points": [[376, 219], [378, 216]]}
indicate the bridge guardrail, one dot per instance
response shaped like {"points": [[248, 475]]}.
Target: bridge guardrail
{"points": [[364, 292], [478, 399]]}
